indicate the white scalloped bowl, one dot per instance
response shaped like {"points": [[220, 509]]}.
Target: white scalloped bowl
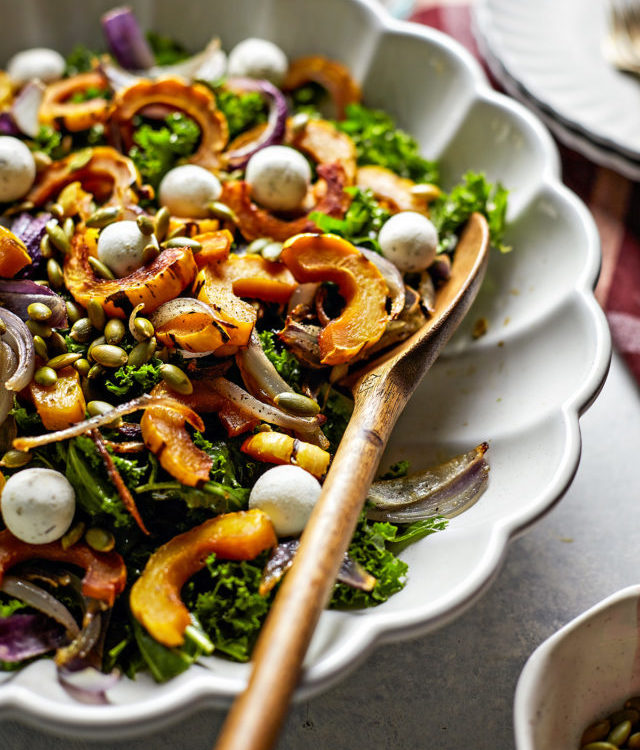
{"points": [[522, 386], [580, 674]]}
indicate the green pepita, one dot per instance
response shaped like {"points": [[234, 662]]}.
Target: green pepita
{"points": [[114, 331], [163, 218], [263, 428], [39, 329], [425, 190], [96, 371], [72, 536], [64, 360], [45, 376], [42, 160], [108, 355], [54, 274], [296, 403], [69, 228], [150, 253], [142, 353], [57, 209], [599, 746], [299, 122], [98, 408], [96, 314], [103, 217], [272, 251], [145, 224], [74, 313], [193, 245], [143, 329], [257, 245], [634, 740], [100, 269], [222, 211], [46, 249], [14, 459], [100, 539], [80, 159], [176, 379], [56, 344], [57, 237], [39, 312], [619, 733], [40, 345], [82, 331], [83, 366], [96, 342]]}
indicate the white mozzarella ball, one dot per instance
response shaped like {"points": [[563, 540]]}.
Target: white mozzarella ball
{"points": [[121, 246], [38, 505], [287, 495], [187, 191], [279, 177], [17, 168], [258, 58], [39, 62], [409, 240]]}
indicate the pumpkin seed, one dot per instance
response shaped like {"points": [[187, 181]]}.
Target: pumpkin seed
{"points": [[296, 403], [114, 331], [97, 408], [163, 354], [57, 237], [80, 159], [96, 371], [54, 274], [619, 733], [81, 331], [634, 740], [45, 376], [100, 539], [143, 328], [69, 228], [272, 251], [14, 459], [142, 353], [145, 224], [222, 211], [299, 122], [176, 379], [56, 344], [46, 249], [100, 269], [74, 313], [599, 746], [425, 190], [39, 312], [83, 366], [96, 314], [193, 245], [39, 329], [163, 217], [72, 536], [57, 209], [150, 252], [109, 355], [257, 245], [42, 160], [64, 360], [263, 428], [40, 345], [103, 217], [96, 342]]}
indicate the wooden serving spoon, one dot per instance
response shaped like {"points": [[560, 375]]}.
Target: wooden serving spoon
{"points": [[380, 393]]}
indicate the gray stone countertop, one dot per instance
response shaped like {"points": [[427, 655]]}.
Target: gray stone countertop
{"points": [[454, 688]]}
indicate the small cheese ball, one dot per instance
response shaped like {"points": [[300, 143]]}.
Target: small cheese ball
{"points": [[287, 494], [38, 505], [39, 62], [17, 169], [121, 246], [187, 191], [409, 240], [279, 177], [258, 58]]}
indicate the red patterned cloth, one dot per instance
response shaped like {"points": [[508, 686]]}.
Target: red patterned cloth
{"points": [[609, 196]]}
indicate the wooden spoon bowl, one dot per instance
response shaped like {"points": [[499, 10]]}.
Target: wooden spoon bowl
{"points": [[380, 392]]}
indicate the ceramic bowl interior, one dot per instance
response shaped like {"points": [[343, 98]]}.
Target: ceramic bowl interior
{"points": [[580, 674]]}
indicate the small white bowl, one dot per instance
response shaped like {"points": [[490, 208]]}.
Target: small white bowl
{"points": [[580, 674]]}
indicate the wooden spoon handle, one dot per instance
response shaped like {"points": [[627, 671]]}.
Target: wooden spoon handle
{"points": [[257, 714]]}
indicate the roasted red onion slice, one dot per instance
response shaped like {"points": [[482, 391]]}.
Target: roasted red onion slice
{"points": [[31, 229], [307, 428], [19, 338], [39, 599], [23, 636], [444, 490], [8, 125], [276, 124], [126, 39], [8, 363], [16, 295], [392, 276], [258, 373], [88, 685], [304, 295], [26, 106]]}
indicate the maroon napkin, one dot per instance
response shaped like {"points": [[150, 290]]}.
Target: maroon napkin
{"points": [[609, 196]]}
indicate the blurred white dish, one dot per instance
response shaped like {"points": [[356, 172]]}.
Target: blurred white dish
{"points": [[522, 386], [580, 674]]}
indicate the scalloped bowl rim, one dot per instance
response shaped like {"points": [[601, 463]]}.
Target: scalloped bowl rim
{"points": [[126, 720]]}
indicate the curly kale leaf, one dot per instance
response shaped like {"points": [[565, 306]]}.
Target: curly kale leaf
{"points": [[475, 193], [337, 410], [379, 142], [243, 111], [128, 381], [286, 363], [157, 150], [167, 51], [81, 59]]}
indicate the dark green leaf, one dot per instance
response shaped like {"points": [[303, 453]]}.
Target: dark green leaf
{"points": [[243, 111], [167, 51], [129, 382], [286, 363]]}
